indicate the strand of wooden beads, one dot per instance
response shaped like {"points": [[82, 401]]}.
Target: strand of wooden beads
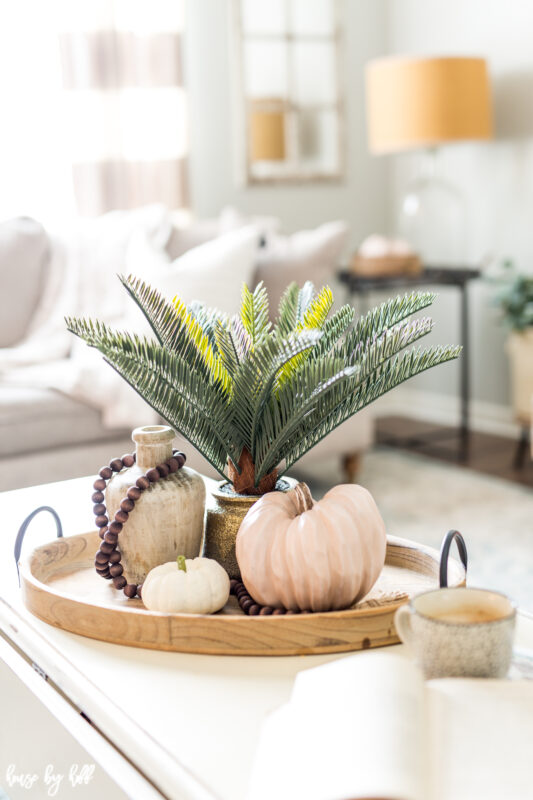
{"points": [[108, 557], [248, 604]]}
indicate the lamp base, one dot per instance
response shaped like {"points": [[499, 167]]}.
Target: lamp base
{"points": [[433, 217]]}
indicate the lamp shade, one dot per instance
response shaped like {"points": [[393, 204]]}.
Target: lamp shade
{"points": [[267, 130], [424, 102]]}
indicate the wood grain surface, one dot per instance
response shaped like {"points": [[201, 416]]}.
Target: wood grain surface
{"points": [[60, 586]]}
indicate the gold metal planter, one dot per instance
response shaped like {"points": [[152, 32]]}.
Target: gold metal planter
{"points": [[223, 521]]}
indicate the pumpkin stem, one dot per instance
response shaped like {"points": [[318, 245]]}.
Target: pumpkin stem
{"points": [[304, 499], [181, 563]]}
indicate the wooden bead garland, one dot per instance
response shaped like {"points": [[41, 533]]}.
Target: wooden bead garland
{"points": [[250, 607], [107, 559]]}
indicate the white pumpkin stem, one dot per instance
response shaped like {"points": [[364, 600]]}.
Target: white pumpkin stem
{"points": [[181, 563], [304, 499]]}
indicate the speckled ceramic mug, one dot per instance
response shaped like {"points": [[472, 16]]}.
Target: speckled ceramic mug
{"points": [[459, 632]]}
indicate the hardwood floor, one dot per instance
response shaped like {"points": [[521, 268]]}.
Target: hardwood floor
{"points": [[492, 455]]}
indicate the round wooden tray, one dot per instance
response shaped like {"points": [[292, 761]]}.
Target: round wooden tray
{"points": [[60, 586]]}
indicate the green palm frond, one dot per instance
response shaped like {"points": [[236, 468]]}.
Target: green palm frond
{"points": [[390, 343], [311, 313], [193, 334], [317, 310], [285, 415], [208, 319], [333, 329], [228, 347], [159, 313], [254, 313], [304, 300], [257, 375], [288, 311], [385, 378], [177, 329], [240, 385], [194, 405], [311, 397], [384, 316], [241, 339]]}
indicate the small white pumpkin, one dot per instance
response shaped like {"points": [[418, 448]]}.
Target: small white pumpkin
{"points": [[187, 585]]}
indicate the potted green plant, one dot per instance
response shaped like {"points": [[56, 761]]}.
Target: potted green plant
{"points": [[252, 396], [516, 302]]}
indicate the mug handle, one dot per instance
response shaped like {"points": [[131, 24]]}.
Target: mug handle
{"points": [[402, 623], [445, 553]]}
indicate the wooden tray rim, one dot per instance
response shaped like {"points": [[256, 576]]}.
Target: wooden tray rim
{"points": [[456, 571], [291, 635]]}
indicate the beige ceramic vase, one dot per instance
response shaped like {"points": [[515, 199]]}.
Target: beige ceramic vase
{"points": [[168, 519]]}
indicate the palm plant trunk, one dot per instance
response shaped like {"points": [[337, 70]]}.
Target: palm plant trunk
{"points": [[242, 476]]}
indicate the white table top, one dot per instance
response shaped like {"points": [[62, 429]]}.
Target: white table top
{"points": [[189, 722]]}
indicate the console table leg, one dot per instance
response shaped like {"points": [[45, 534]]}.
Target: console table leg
{"points": [[465, 378], [522, 448]]}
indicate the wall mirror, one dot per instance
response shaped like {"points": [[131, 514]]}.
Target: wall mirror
{"points": [[291, 108]]}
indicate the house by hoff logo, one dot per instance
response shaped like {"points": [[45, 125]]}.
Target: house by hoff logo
{"points": [[78, 775]]}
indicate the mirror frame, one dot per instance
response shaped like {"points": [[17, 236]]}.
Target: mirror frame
{"points": [[242, 140]]}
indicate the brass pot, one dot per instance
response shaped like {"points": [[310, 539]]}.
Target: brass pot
{"points": [[224, 516]]}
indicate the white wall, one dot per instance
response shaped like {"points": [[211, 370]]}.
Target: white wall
{"points": [[496, 178], [360, 198]]}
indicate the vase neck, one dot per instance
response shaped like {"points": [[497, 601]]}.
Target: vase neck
{"points": [[153, 445]]}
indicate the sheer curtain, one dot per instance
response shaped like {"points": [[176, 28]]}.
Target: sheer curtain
{"points": [[94, 113], [35, 167], [126, 105]]}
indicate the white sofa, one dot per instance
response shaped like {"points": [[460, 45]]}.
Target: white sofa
{"points": [[48, 433]]}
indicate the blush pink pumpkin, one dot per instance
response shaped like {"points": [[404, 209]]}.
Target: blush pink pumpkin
{"points": [[300, 554]]}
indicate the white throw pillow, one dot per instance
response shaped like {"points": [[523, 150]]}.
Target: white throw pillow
{"points": [[319, 246], [313, 255], [193, 234], [24, 263], [232, 218], [212, 273]]}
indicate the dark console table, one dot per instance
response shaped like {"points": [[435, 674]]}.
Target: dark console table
{"points": [[357, 285]]}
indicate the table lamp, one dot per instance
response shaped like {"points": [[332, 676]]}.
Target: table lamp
{"points": [[267, 130], [424, 103]]}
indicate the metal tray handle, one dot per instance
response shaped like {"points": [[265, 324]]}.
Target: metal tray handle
{"points": [[24, 527], [445, 553]]}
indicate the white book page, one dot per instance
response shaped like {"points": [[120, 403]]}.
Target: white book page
{"points": [[353, 729], [481, 739]]}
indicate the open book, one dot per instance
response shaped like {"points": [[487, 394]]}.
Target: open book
{"points": [[367, 726]]}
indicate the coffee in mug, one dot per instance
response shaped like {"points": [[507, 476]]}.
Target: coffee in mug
{"points": [[459, 632]]}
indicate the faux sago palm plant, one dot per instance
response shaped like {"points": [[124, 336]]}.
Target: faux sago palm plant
{"points": [[252, 396]]}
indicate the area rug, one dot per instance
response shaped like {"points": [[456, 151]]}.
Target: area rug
{"points": [[422, 499]]}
